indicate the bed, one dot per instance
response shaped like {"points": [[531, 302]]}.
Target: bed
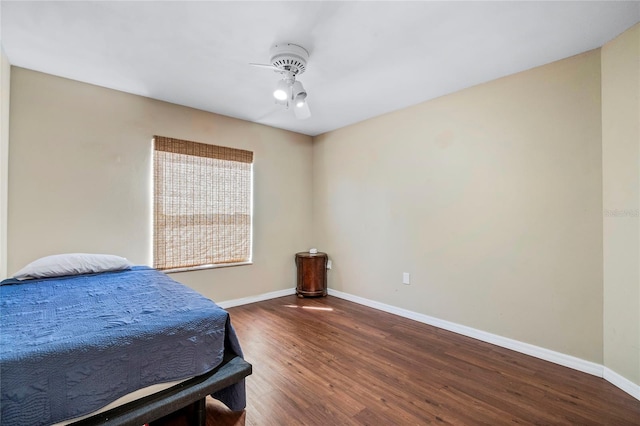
{"points": [[71, 344]]}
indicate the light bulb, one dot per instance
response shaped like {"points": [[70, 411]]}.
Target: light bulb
{"points": [[282, 91], [302, 112], [280, 94], [300, 100], [299, 94]]}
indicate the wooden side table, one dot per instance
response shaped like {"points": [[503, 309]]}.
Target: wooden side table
{"points": [[312, 274]]}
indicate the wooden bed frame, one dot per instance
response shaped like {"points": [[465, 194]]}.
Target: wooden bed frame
{"points": [[190, 392]]}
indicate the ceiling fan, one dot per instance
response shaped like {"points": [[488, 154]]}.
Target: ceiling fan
{"points": [[289, 60]]}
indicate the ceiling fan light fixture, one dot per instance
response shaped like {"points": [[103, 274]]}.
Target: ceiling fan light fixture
{"points": [[290, 60], [300, 100], [302, 112], [281, 91], [298, 94]]}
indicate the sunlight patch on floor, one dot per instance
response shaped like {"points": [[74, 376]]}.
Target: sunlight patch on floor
{"points": [[311, 308]]}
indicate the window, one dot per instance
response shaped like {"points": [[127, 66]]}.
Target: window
{"points": [[202, 205]]}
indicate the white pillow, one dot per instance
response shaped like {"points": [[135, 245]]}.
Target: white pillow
{"points": [[72, 264]]}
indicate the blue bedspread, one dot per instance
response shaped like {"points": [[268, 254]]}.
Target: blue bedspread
{"points": [[71, 345]]}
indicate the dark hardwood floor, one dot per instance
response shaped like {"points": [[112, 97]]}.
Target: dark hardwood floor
{"points": [[327, 361]]}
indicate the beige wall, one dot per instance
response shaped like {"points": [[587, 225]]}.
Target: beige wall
{"points": [[490, 197], [80, 180], [5, 72], [621, 189]]}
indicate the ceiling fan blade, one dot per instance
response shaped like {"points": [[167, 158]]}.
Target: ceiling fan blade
{"points": [[302, 112], [271, 67]]}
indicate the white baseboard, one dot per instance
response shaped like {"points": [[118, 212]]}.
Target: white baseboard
{"points": [[253, 299], [505, 342], [621, 382]]}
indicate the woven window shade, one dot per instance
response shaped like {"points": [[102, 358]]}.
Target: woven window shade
{"points": [[202, 204]]}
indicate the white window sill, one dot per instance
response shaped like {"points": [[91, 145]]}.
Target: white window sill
{"points": [[202, 267]]}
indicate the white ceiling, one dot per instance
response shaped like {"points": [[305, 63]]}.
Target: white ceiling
{"points": [[366, 58]]}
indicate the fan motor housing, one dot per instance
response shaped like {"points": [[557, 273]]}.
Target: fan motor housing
{"points": [[289, 57]]}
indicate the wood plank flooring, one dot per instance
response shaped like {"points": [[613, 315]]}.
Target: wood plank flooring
{"points": [[327, 361]]}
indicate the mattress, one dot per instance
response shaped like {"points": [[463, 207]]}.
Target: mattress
{"points": [[71, 345], [140, 393]]}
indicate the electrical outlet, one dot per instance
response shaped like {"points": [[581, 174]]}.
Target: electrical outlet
{"points": [[406, 278], [329, 264]]}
